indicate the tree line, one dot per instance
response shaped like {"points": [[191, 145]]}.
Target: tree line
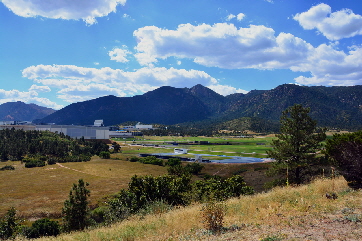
{"points": [[38, 147]]}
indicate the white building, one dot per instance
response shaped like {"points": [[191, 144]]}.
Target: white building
{"points": [[139, 126], [88, 132], [98, 123]]}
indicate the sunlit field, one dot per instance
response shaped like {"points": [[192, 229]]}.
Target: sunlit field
{"points": [[41, 191]]}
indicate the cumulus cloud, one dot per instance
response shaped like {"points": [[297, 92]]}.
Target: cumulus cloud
{"points": [[226, 89], [78, 84], [329, 66], [333, 25], [88, 11], [30, 96], [230, 16], [119, 55], [221, 45], [225, 46], [240, 16]]}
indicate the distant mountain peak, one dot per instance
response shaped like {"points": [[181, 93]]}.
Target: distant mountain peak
{"points": [[20, 111]]}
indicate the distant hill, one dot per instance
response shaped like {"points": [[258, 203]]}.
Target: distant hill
{"points": [[339, 107], [165, 105], [19, 111]]}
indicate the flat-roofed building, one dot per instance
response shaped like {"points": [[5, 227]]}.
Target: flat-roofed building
{"points": [[88, 132]]}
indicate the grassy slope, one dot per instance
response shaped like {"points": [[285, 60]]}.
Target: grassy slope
{"points": [[289, 213]]}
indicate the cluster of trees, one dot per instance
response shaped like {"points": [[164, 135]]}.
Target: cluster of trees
{"points": [[174, 190], [36, 148]]}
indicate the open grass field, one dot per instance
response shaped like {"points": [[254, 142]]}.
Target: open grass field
{"points": [[288, 213], [248, 147], [41, 191]]}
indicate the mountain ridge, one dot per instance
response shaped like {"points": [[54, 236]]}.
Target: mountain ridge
{"points": [[334, 107], [20, 111]]}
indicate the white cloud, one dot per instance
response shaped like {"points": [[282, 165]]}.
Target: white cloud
{"points": [[334, 26], [78, 84], [38, 88], [30, 96], [225, 46], [240, 16], [119, 55], [64, 9], [221, 45], [226, 89], [230, 17], [332, 67]]}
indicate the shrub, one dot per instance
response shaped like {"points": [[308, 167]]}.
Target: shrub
{"points": [[34, 163], [218, 189], [43, 227], [134, 159], [104, 155], [173, 162], [177, 170], [7, 167], [213, 216], [52, 161], [194, 168], [144, 190], [151, 160]]}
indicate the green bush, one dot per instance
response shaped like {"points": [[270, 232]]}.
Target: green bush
{"points": [[151, 160], [194, 168], [173, 162], [43, 227], [134, 159], [7, 167], [144, 190], [104, 155], [177, 170], [34, 163], [215, 188]]}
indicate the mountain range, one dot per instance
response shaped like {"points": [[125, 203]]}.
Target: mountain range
{"points": [[334, 107], [19, 111]]}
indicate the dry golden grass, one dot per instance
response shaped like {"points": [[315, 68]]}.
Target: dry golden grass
{"points": [[289, 213], [41, 191]]}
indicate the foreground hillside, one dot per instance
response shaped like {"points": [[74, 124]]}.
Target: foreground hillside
{"points": [[289, 213]]}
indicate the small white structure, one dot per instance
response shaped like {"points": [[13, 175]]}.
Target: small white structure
{"points": [[180, 151], [98, 123], [198, 158], [139, 126]]}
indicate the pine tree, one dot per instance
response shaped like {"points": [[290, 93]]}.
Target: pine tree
{"points": [[75, 210], [295, 149]]}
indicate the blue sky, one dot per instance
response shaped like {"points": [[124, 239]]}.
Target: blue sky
{"points": [[54, 53]]}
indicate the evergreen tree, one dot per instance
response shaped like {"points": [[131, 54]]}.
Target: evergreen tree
{"points": [[345, 152], [75, 210], [295, 149]]}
